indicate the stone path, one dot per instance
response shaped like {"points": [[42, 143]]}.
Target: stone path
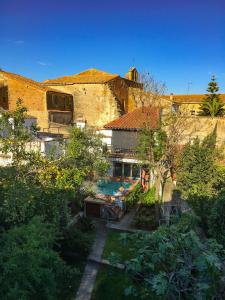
{"points": [[91, 269], [126, 224]]}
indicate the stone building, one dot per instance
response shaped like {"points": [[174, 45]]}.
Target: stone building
{"points": [[53, 109], [99, 97], [188, 104], [124, 140]]}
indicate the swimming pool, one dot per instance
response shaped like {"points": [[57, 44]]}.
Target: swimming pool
{"points": [[110, 187]]}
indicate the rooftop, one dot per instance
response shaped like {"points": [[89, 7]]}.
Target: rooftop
{"points": [[88, 76], [193, 98], [136, 119], [27, 81]]}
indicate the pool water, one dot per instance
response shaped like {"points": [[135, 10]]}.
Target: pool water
{"points": [[111, 187]]}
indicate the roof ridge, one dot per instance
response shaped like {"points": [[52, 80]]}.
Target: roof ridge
{"points": [[30, 81], [87, 76], [23, 78]]}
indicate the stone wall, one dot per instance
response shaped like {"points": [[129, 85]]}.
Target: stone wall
{"points": [[96, 103], [202, 126], [34, 100]]}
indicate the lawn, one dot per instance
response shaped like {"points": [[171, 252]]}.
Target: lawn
{"points": [[110, 284], [115, 245]]}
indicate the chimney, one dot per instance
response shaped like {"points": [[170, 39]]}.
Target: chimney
{"points": [[171, 96], [132, 74]]}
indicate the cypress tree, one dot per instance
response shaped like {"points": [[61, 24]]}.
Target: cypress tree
{"points": [[212, 104]]}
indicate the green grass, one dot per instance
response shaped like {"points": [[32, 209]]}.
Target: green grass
{"points": [[115, 245], [110, 285]]}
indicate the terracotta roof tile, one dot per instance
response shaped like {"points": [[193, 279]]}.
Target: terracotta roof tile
{"points": [[136, 119], [88, 76], [28, 81], [193, 98]]}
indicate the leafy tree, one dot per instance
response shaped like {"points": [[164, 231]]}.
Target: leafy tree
{"points": [[197, 166], [173, 263], [215, 218], [212, 104], [85, 150], [29, 268], [14, 135]]}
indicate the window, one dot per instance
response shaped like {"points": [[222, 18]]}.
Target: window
{"points": [[193, 112], [117, 170], [174, 108], [127, 170]]}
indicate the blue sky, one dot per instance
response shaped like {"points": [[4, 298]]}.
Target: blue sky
{"points": [[179, 42]]}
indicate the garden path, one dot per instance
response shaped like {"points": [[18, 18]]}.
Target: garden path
{"points": [[91, 269], [126, 224]]}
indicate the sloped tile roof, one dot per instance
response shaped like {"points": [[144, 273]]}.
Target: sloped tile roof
{"points": [[28, 81], [88, 76], [149, 116], [193, 98]]}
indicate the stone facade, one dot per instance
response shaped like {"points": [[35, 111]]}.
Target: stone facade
{"points": [[99, 97], [188, 105], [42, 103]]}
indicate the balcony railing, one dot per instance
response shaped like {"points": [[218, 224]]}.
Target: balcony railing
{"points": [[128, 152]]}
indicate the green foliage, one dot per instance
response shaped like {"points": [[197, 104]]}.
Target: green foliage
{"points": [[85, 151], [111, 284], [133, 197], [77, 242], [197, 167], [14, 136], [85, 224], [29, 268], [186, 222], [116, 243], [202, 206], [146, 218], [21, 201], [216, 220], [173, 263], [219, 178], [212, 104], [149, 197], [151, 145]]}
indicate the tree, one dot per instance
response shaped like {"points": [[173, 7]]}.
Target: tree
{"points": [[216, 224], [173, 263], [29, 268], [14, 135], [197, 166], [212, 104], [151, 93], [158, 148]]}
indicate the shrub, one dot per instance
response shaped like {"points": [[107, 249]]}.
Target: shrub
{"points": [[85, 224], [149, 197], [216, 220], [29, 268], [77, 242], [202, 206], [133, 197], [173, 263], [185, 222], [145, 217]]}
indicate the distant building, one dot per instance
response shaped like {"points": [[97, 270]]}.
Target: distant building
{"points": [[124, 140], [52, 109], [44, 143], [188, 104], [99, 97]]}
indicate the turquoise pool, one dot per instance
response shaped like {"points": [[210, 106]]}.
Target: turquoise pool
{"points": [[111, 187]]}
